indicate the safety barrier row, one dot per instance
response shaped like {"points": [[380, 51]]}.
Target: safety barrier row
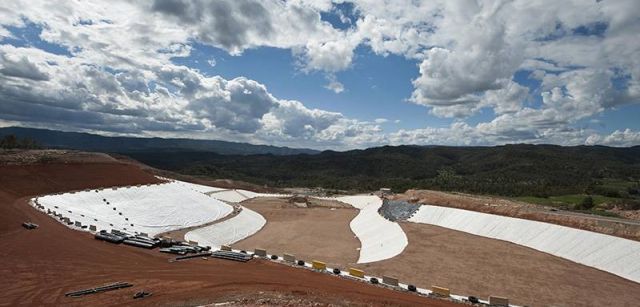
{"points": [[386, 281], [67, 221]]}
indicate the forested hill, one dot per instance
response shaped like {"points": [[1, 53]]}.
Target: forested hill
{"points": [[511, 170], [92, 142]]}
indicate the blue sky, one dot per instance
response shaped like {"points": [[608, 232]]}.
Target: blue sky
{"points": [[376, 86], [320, 74]]}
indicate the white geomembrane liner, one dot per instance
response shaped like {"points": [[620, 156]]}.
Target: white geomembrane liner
{"points": [[233, 196], [272, 195], [608, 253], [230, 231], [151, 209], [199, 187], [379, 238]]}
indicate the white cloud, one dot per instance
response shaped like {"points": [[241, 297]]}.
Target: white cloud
{"points": [[470, 52], [626, 137], [508, 99], [334, 85], [20, 68]]}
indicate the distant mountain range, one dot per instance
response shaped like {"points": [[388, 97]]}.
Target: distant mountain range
{"points": [[93, 142]]}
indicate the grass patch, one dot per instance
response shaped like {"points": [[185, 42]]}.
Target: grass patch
{"points": [[567, 202], [570, 199], [616, 184], [535, 200], [601, 213], [577, 198]]}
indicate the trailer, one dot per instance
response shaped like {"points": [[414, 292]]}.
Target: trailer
{"points": [[170, 250], [203, 254], [137, 243], [109, 237], [227, 255]]}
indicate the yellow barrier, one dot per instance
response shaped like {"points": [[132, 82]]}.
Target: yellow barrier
{"points": [[318, 265], [440, 291], [356, 272], [225, 248]]}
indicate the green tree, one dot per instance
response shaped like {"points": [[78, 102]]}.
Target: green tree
{"points": [[586, 203], [9, 141]]}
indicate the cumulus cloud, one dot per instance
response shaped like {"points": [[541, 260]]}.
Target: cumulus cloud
{"points": [[626, 137], [334, 85], [508, 99], [293, 119], [449, 77], [239, 25], [236, 105], [232, 25], [469, 53], [21, 68]]}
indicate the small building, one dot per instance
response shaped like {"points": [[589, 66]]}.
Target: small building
{"points": [[385, 191]]}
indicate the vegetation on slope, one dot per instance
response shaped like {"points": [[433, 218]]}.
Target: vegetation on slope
{"points": [[12, 142], [537, 171]]}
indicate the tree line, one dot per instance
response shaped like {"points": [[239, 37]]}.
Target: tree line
{"points": [[511, 170], [10, 141]]}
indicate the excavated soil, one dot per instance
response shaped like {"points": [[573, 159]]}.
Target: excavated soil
{"points": [[308, 233], [473, 265], [39, 266]]}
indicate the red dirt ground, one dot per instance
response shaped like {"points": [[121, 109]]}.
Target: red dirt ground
{"points": [[39, 266], [473, 265]]}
